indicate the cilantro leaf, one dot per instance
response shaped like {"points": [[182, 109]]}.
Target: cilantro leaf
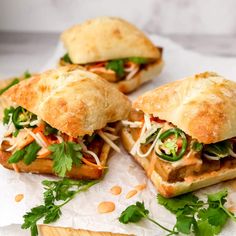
{"points": [[202, 218], [203, 228], [31, 218], [184, 223], [17, 156], [64, 155], [117, 66], [53, 214], [61, 190], [31, 153], [219, 196], [215, 216], [178, 203], [66, 58], [27, 74], [138, 60], [12, 83], [133, 213], [7, 114], [196, 146]]}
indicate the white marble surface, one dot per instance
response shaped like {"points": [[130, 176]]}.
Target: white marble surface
{"points": [[18, 50], [154, 16]]}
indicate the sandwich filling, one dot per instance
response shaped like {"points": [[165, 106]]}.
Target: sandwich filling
{"points": [[175, 155], [114, 70], [27, 138]]}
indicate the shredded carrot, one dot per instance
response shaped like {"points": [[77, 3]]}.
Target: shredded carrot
{"points": [[44, 155], [92, 164], [100, 64], [39, 128], [45, 139]]}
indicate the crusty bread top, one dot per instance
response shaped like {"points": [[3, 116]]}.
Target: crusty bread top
{"points": [[203, 106], [72, 100], [107, 38]]}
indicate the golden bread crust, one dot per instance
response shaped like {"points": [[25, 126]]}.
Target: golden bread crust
{"points": [[203, 106], [107, 38], [72, 100]]}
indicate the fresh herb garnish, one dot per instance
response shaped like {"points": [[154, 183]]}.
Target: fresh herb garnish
{"points": [[17, 156], [49, 130], [117, 66], [64, 155], [138, 60], [220, 149], [31, 153], [66, 58], [27, 75], [28, 154], [64, 191], [8, 112], [198, 217], [12, 83], [135, 213], [196, 146]]}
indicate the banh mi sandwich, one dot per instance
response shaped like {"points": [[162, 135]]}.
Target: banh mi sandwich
{"points": [[184, 133], [63, 122], [114, 49]]}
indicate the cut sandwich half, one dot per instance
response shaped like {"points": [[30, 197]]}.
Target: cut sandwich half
{"points": [[184, 133], [62, 122], [114, 49]]}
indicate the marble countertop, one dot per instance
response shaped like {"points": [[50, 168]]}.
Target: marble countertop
{"points": [[30, 51], [22, 51]]}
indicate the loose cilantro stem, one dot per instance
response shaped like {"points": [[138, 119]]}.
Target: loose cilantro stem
{"points": [[163, 227], [227, 212]]}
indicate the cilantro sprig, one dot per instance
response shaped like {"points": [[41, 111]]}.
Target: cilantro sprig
{"points": [[62, 191], [134, 213], [193, 216], [198, 217], [64, 155]]}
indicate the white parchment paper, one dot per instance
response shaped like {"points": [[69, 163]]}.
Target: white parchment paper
{"points": [[81, 212]]}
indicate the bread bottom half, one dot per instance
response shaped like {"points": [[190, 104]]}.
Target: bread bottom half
{"points": [[45, 166], [144, 75], [169, 190]]}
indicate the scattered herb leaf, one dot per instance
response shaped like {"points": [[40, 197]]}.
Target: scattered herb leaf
{"points": [[61, 190], [134, 213]]}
